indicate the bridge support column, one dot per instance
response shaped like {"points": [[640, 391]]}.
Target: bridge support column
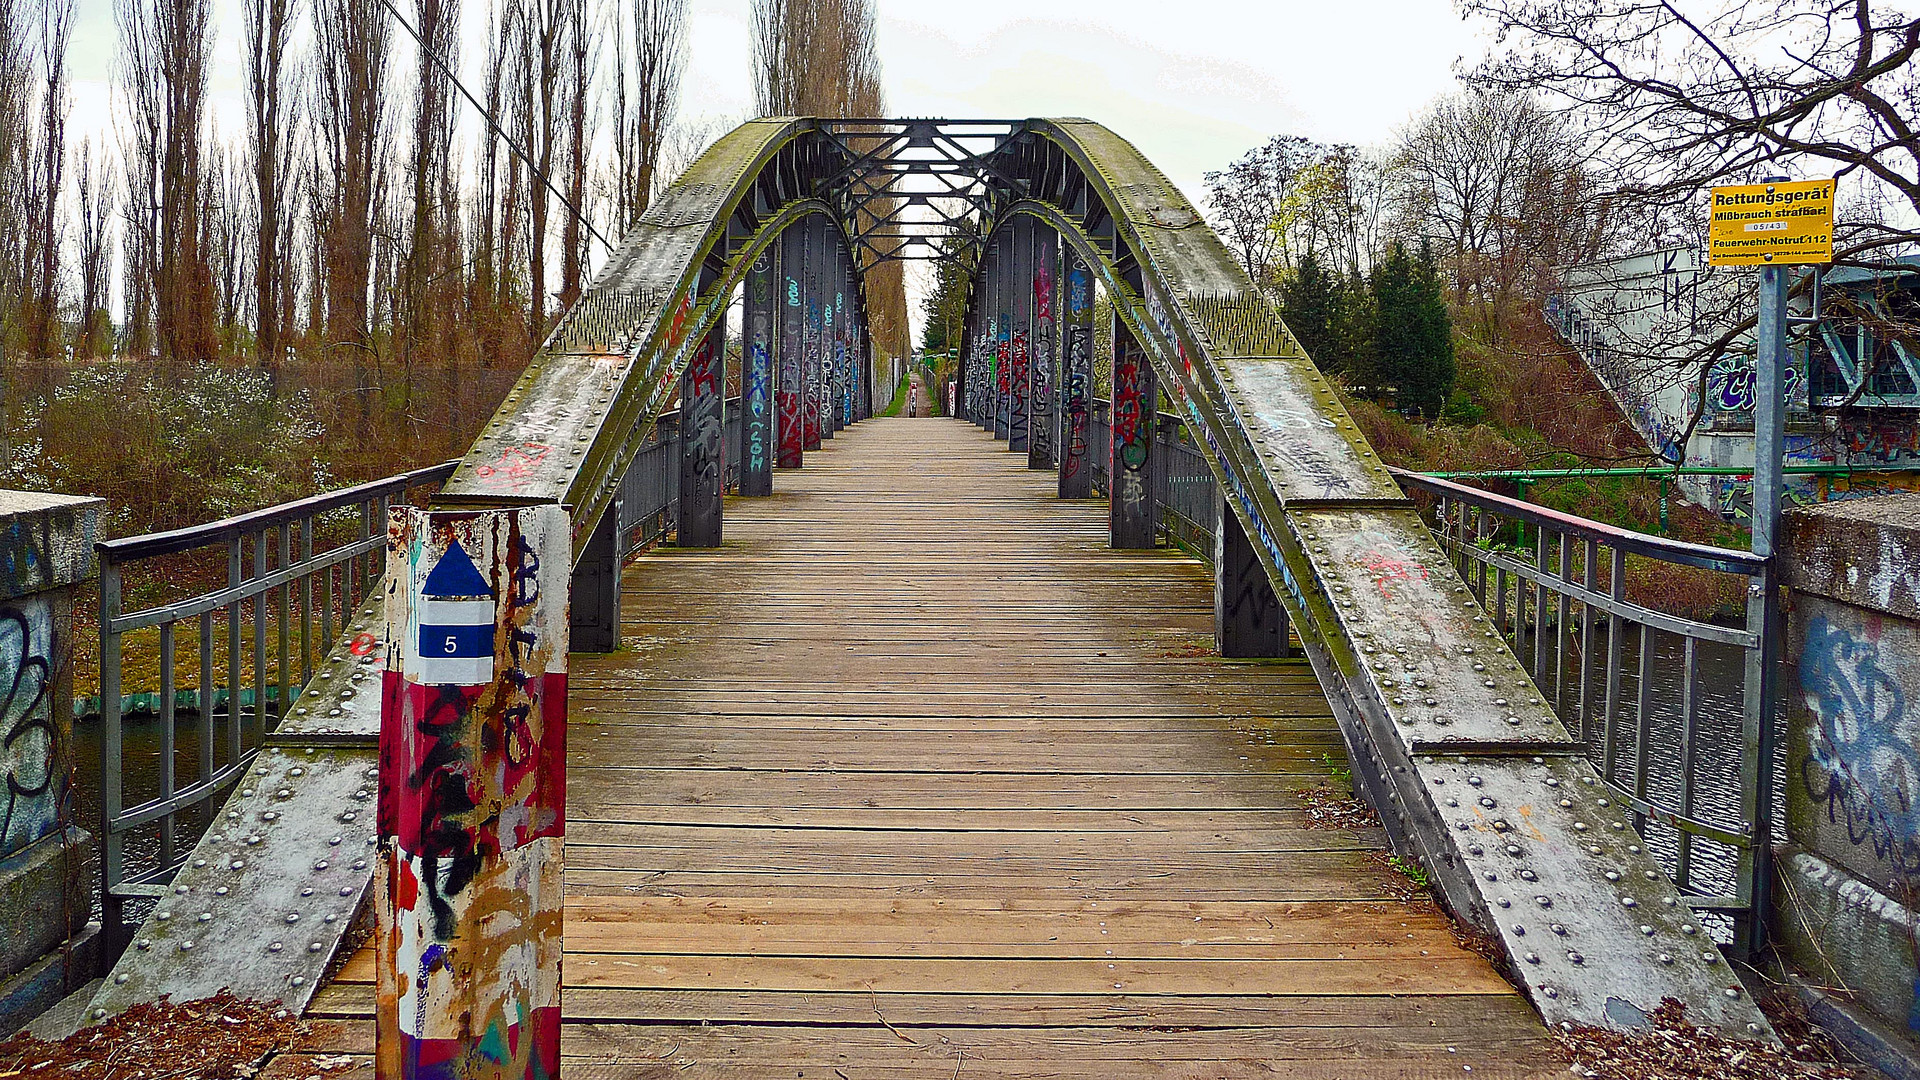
{"points": [[703, 444], [593, 617], [472, 796], [1017, 302], [1043, 433], [1133, 513], [756, 377], [1248, 620], [811, 292], [791, 395], [1076, 378]]}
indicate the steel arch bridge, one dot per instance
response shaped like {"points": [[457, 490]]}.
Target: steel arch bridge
{"points": [[1471, 770]]}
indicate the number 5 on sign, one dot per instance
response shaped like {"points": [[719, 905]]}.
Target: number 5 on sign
{"points": [[455, 645]]}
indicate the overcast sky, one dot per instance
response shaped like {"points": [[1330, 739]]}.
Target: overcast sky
{"points": [[1194, 84]]}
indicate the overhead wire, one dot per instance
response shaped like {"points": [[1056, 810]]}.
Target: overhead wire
{"points": [[494, 125]]}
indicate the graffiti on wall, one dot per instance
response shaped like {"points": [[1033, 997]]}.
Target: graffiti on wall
{"points": [[472, 797], [1133, 409], [1863, 757], [703, 431], [30, 745], [812, 347], [1040, 431], [791, 433], [1078, 381]]}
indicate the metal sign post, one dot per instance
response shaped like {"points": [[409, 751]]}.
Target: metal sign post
{"points": [[1771, 225]]}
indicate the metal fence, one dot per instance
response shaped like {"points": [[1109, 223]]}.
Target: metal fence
{"points": [[1671, 709], [1183, 484], [650, 491], [258, 600]]}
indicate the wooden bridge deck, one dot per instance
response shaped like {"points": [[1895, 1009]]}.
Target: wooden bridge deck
{"points": [[915, 777]]}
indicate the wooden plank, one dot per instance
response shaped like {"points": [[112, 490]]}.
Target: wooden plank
{"points": [[939, 784]]}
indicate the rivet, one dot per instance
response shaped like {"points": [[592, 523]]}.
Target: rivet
{"points": [[1514, 850], [296, 771], [1543, 901], [163, 916], [275, 947], [298, 980], [206, 916], [283, 793], [1576, 958], [1533, 958], [293, 917], [119, 980], [221, 891], [1473, 780], [1551, 782], [315, 947], [180, 889], [99, 1014], [198, 863], [1613, 875], [1687, 928], [1558, 929], [359, 864], [270, 815], [1474, 850], [246, 793], [1519, 930], [186, 946], [143, 944], [329, 918], [308, 891], [1528, 875], [1504, 902], [1550, 991], [348, 816], [1709, 956], [1491, 876], [334, 842], [1650, 875], [1628, 901], [346, 890], [1579, 826]]}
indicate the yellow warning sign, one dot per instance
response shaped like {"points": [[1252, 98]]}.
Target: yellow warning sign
{"points": [[1771, 224]]}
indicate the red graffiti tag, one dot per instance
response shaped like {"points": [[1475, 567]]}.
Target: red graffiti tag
{"points": [[516, 464]]}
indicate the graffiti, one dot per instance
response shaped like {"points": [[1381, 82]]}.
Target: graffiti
{"points": [[810, 405], [472, 801], [30, 748], [1733, 386], [1017, 384], [1075, 478], [1862, 763], [703, 446], [759, 390], [1040, 430], [516, 465], [1390, 572], [1872, 439], [1133, 412]]}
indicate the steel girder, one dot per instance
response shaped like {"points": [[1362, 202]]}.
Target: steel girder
{"points": [[1472, 772]]}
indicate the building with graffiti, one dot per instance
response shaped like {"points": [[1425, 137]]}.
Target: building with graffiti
{"points": [[1645, 323]]}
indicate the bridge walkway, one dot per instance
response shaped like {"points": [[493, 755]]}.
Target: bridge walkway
{"points": [[916, 776]]}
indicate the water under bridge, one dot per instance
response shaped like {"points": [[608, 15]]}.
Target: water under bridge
{"points": [[937, 756]]}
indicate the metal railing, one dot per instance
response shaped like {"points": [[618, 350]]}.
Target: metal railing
{"points": [[1183, 484], [260, 598], [649, 505], [1685, 751]]}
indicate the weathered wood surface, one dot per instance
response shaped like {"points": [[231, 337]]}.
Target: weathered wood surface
{"points": [[914, 776]]}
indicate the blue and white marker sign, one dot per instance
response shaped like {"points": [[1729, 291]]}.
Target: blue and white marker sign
{"points": [[456, 619]]}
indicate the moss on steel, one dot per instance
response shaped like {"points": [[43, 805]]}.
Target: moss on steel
{"points": [[1406, 656]]}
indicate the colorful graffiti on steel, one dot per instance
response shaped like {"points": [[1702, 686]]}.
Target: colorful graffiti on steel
{"points": [[1040, 434], [1076, 478], [472, 798]]}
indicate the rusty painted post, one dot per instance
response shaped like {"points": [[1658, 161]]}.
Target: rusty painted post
{"points": [[1017, 303], [792, 391], [1002, 338], [1043, 433], [1133, 517], [1248, 620], [756, 376], [703, 441], [1076, 378], [472, 798]]}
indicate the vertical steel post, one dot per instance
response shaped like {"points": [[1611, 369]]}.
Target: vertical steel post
{"points": [[703, 441], [1247, 618], [1043, 418], [1003, 335], [1076, 470], [1763, 604], [756, 376], [792, 392], [810, 292], [1017, 302], [1133, 517], [593, 617], [472, 799]]}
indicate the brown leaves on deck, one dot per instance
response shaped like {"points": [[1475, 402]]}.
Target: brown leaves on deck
{"points": [[1673, 1049], [218, 1037], [1330, 809]]}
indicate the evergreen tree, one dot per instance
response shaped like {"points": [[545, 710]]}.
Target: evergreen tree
{"points": [[1352, 331], [1413, 335], [1308, 303]]}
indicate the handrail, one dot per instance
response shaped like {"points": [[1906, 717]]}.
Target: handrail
{"points": [[188, 537], [1704, 556]]}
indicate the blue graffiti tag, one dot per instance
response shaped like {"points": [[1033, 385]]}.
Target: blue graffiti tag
{"points": [[1861, 762]]}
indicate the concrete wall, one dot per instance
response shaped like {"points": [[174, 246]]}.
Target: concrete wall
{"points": [[46, 549], [1847, 884]]}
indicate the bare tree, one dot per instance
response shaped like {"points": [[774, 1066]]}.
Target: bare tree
{"points": [[15, 154], [545, 27], [644, 102], [164, 47], [56, 30], [352, 118], [428, 261], [579, 66], [1673, 103], [93, 190], [271, 125]]}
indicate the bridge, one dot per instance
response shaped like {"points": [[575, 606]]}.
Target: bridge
{"points": [[931, 754]]}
